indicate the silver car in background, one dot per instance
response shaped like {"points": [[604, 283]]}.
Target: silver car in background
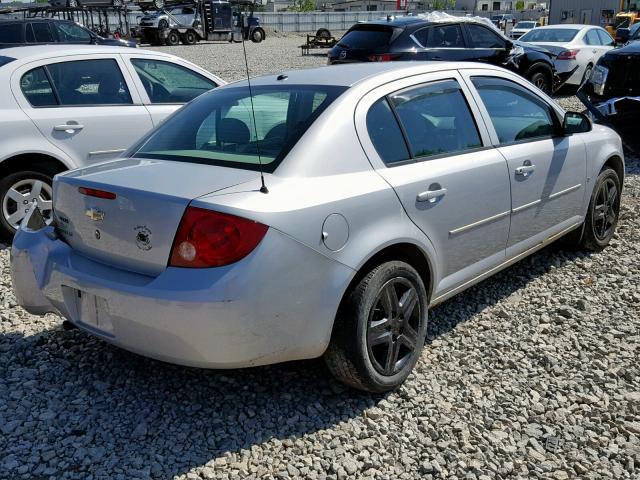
{"points": [[577, 47], [390, 187], [522, 27]]}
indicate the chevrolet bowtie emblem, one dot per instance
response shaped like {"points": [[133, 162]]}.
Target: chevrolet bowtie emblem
{"points": [[95, 214]]}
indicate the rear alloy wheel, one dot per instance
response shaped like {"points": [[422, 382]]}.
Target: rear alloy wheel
{"points": [[173, 39], [541, 80], [158, 4], [189, 38], [587, 74], [380, 329], [163, 23], [19, 193]]}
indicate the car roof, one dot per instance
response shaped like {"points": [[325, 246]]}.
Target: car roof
{"points": [[39, 52], [568, 26], [348, 75], [396, 21], [35, 20]]}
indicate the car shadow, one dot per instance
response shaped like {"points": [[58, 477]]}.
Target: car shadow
{"points": [[93, 407]]}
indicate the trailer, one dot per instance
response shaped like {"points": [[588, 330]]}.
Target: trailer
{"points": [[215, 20]]}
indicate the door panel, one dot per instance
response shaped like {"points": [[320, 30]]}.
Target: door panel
{"points": [[453, 189], [95, 114]]}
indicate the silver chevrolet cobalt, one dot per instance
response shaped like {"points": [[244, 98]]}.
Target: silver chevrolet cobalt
{"points": [[389, 188]]}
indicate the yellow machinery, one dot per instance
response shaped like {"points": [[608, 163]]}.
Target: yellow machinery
{"points": [[628, 15]]}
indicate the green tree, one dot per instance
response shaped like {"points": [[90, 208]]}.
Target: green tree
{"points": [[520, 5], [303, 5], [444, 4]]}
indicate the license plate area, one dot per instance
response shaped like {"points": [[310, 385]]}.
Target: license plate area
{"points": [[91, 311]]}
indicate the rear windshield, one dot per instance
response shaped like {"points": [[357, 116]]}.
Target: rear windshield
{"points": [[525, 25], [370, 36], [218, 128], [560, 35], [11, 33]]}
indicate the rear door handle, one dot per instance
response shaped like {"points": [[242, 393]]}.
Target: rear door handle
{"points": [[69, 127], [525, 170], [431, 195]]}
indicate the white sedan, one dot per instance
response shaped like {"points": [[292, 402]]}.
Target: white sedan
{"points": [[577, 47], [67, 106]]}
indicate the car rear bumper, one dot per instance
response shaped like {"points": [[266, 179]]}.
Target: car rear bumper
{"points": [[275, 305]]}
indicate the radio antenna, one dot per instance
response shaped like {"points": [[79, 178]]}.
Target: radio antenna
{"points": [[263, 188]]}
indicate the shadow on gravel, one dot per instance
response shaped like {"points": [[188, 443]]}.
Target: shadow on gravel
{"points": [[86, 406]]}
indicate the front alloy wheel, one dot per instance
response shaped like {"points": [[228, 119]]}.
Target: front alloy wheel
{"points": [[380, 329], [19, 194], [605, 212]]}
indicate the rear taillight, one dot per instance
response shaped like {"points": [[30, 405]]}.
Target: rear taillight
{"points": [[385, 57], [212, 239], [568, 55]]}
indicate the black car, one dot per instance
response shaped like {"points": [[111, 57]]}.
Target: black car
{"points": [[612, 93], [34, 31], [624, 35], [413, 38]]}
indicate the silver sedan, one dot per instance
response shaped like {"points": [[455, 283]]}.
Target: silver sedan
{"points": [[388, 188]]}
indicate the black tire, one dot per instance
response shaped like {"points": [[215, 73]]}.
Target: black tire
{"points": [[189, 37], [162, 23], [541, 77], [257, 35], [357, 350], [323, 33], [602, 217], [173, 38], [8, 206]]}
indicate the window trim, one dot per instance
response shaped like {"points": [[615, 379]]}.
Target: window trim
{"points": [[137, 79], [414, 159], [557, 125]]}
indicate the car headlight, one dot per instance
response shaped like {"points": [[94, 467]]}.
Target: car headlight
{"points": [[599, 79]]}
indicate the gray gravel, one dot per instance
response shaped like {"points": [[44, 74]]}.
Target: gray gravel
{"points": [[531, 374]]}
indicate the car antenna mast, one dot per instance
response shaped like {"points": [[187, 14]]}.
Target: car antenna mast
{"points": [[263, 187]]}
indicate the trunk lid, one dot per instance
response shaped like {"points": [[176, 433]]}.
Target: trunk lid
{"points": [[135, 230]]}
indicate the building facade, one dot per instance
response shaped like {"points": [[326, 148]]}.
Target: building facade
{"points": [[591, 12]]}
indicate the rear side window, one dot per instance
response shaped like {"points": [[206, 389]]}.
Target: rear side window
{"points": [[370, 37], [11, 33], [482, 37], [385, 133], [89, 82], [591, 38], [605, 38], [219, 128], [436, 119], [516, 113], [37, 89], [42, 32], [170, 83], [446, 36]]}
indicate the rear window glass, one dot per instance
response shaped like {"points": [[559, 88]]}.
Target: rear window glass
{"points": [[560, 35], [366, 38], [385, 133], [219, 129], [42, 33], [37, 89], [11, 33]]}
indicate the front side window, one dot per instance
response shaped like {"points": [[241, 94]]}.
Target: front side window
{"points": [[42, 32], [219, 127], [36, 88], [516, 113], [436, 119], [72, 33], [11, 33], [446, 36], [482, 37], [89, 82], [167, 82]]}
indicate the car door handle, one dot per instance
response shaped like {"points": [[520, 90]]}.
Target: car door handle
{"points": [[68, 127], [431, 195], [525, 170]]}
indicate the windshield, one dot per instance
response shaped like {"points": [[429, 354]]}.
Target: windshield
{"points": [[218, 127], [553, 35], [525, 25]]}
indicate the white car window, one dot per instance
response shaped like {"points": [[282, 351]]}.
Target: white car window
{"points": [[37, 89], [591, 38]]}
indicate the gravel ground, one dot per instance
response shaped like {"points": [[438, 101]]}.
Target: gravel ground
{"points": [[531, 374]]}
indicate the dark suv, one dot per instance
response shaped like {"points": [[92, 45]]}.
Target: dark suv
{"points": [[34, 31], [413, 38]]}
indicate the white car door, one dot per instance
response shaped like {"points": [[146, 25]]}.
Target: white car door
{"points": [[86, 105], [166, 83], [547, 170]]}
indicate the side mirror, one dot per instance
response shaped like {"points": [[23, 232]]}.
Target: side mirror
{"points": [[575, 122]]}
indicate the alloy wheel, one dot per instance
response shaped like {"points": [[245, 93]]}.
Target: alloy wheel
{"points": [[605, 211], [22, 197], [394, 322], [541, 82]]}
